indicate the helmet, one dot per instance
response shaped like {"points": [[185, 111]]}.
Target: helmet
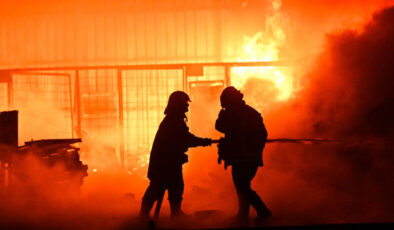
{"points": [[230, 96], [176, 102]]}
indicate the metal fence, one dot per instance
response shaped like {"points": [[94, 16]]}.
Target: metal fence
{"points": [[120, 106], [43, 100]]}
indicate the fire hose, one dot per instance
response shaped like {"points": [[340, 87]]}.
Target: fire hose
{"points": [[295, 140], [275, 140], [306, 141]]}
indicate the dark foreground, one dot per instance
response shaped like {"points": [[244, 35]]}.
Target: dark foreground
{"points": [[118, 223], [360, 226]]}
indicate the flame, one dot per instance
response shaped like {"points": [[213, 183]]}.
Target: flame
{"points": [[264, 46]]}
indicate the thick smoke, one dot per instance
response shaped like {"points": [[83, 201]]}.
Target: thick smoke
{"points": [[347, 96], [352, 85]]}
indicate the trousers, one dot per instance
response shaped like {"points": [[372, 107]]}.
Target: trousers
{"points": [[242, 177], [173, 183]]}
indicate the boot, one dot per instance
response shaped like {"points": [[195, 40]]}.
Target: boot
{"points": [[176, 212], [240, 221], [262, 216], [263, 212], [146, 207]]}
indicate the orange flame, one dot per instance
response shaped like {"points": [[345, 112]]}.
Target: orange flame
{"points": [[264, 46]]}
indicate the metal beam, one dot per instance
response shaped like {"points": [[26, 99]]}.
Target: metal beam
{"points": [[151, 66]]}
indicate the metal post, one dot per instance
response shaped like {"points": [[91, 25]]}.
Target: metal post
{"points": [[121, 120], [71, 106], [78, 103], [184, 80], [9, 90], [227, 80]]}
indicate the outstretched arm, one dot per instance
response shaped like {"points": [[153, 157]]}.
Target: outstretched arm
{"points": [[193, 141]]}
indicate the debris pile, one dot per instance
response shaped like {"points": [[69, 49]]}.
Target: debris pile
{"points": [[57, 163]]}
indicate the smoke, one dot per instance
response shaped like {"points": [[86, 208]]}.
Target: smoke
{"points": [[48, 196], [347, 95], [309, 22], [42, 193], [41, 119], [99, 151], [344, 94], [355, 88]]}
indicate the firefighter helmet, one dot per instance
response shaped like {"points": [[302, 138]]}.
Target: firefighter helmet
{"points": [[230, 96], [176, 102]]}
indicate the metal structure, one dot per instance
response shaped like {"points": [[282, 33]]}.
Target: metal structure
{"points": [[123, 102], [103, 70], [8, 144], [50, 153], [66, 33]]}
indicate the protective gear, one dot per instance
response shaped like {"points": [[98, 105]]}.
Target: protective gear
{"points": [[206, 142], [242, 178], [173, 183], [171, 142], [176, 102], [223, 151], [230, 97], [167, 156], [242, 148], [245, 136]]}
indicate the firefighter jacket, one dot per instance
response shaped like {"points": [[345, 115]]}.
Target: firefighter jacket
{"points": [[171, 142], [245, 135]]}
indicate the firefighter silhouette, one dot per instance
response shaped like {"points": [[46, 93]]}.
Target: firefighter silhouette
{"points": [[167, 156], [242, 148]]}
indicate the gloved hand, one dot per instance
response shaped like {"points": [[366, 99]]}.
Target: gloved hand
{"points": [[185, 158], [206, 141], [220, 160]]}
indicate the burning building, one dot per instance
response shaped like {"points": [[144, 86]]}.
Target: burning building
{"points": [[102, 71], [105, 73]]}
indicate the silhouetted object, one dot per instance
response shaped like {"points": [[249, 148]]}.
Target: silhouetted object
{"points": [[8, 144], [167, 156], [9, 128], [158, 205], [242, 148], [49, 153]]}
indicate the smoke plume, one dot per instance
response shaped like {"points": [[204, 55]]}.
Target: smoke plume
{"points": [[348, 96]]}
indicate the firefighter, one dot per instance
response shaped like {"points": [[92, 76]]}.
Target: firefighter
{"points": [[167, 156], [242, 148]]}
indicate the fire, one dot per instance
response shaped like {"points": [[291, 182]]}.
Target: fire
{"points": [[264, 46]]}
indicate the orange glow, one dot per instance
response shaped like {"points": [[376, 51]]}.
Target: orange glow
{"points": [[264, 46], [103, 71]]}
